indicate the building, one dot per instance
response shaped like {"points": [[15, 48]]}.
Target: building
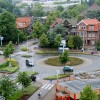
{"points": [[89, 30], [71, 90], [24, 23]]}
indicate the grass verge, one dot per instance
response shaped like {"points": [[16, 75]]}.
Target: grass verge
{"points": [[31, 72], [54, 77], [25, 94], [56, 62], [4, 68]]}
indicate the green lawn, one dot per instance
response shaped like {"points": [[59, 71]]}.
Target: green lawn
{"points": [[28, 91], [6, 69], [54, 77], [24, 48], [56, 62]]}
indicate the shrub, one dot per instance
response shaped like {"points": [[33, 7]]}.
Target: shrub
{"points": [[24, 48]]}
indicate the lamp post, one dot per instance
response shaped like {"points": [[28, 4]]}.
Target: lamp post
{"points": [[18, 38], [1, 38], [57, 73], [83, 42], [27, 42]]}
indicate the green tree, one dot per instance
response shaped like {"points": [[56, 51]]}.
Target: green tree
{"points": [[60, 8], [24, 79], [77, 42], [60, 29], [64, 57], [71, 42], [88, 93], [39, 28], [91, 2], [7, 88], [8, 28], [38, 10], [43, 40], [98, 45], [9, 49], [57, 40]]}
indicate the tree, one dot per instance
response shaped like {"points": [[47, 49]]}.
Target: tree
{"points": [[24, 79], [77, 42], [39, 28], [88, 93], [57, 40], [43, 40], [98, 45], [91, 2], [64, 57], [71, 42], [38, 10], [60, 8], [7, 88], [8, 28], [60, 29], [9, 49]]}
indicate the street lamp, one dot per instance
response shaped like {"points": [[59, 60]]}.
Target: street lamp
{"points": [[1, 38], [83, 41], [27, 42], [57, 73]]}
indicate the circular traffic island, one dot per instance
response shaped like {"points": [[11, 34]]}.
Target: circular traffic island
{"points": [[55, 61]]}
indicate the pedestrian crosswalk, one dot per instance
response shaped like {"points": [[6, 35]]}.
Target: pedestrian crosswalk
{"points": [[47, 86]]}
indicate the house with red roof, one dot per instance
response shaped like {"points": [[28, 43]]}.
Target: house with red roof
{"points": [[89, 30], [24, 23], [57, 21]]}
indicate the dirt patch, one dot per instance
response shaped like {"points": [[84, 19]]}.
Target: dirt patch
{"points": [[25, 97]]}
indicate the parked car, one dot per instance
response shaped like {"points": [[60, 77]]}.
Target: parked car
{"points": [[67, 69], [33, 78], [29, 63], [1, 52]]}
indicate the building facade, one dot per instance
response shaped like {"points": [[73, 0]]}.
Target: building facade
{"points": [[89, 30]]}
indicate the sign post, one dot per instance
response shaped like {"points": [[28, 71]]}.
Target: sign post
{"points": [[1, 38]]}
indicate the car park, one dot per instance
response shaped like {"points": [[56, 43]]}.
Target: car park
{"points": [[67, 69], [29, 63]]}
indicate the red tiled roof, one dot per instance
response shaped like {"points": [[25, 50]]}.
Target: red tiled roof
{"points": [[23, 22], [57, 21], [91, 21]]}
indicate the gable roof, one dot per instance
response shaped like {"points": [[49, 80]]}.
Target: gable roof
{"points": [[73, 22], [89, 21], [57, 21], [23, 22]]}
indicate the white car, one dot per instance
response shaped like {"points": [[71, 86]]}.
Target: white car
{"points": [[1, 52]]}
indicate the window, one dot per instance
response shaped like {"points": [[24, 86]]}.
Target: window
{"points": [[92, 27], [89, 34], [92, 34]]}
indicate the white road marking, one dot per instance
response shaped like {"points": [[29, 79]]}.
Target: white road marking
{"points": [[44, 86], [47, 86], [50, 86]]}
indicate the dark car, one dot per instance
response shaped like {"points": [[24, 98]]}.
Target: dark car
{"points": [[29, 63], [67, 69], [33, 78]]}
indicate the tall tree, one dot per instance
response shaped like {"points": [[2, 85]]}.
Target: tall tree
{"points": [[24, 79], [60, 8], [91, 2], [43, 40], [57, 40], [8, 28], [64, 57], [9, 49], [39, 28], [7, 88], [38, 10], [77, 42], [71, 42], [88, 93]]}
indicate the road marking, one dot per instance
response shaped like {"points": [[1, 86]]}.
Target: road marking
{"points": [[50, 86], [47, 86], [44, 85]]}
